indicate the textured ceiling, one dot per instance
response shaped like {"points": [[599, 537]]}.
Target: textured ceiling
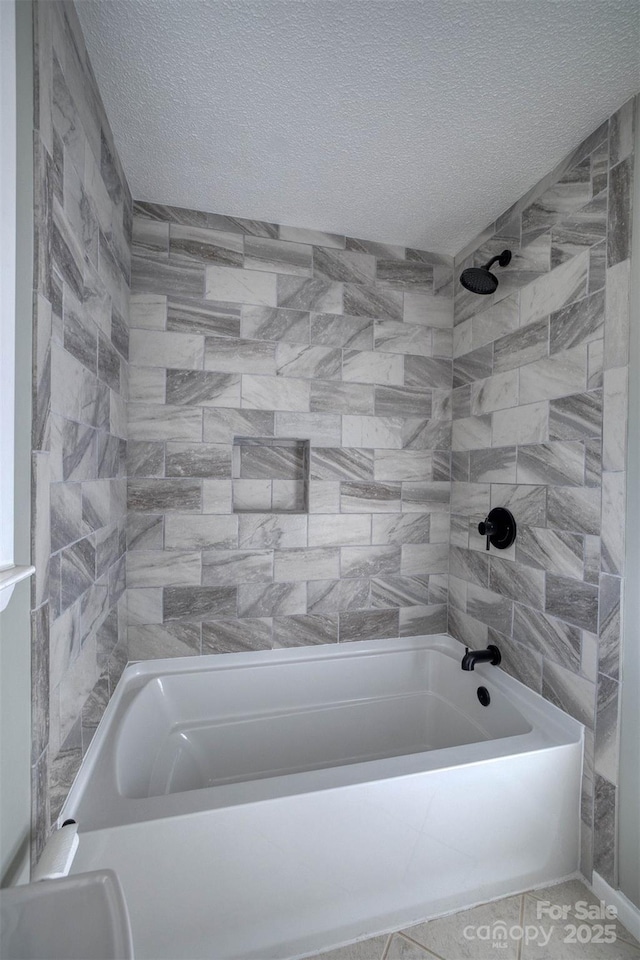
{"points": [[411, 121]]}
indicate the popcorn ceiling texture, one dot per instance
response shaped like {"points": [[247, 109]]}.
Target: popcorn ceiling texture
{"points": [[408, 122]]}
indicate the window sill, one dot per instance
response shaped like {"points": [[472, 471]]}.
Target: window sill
{"points": [[9, 578]]}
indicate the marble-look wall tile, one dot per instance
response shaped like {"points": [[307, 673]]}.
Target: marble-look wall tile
{"points": [[369, 561], [305, 629], [550, 637], [606, 759], [576, 417], [523, 346], [572, 601], [370, 497], [369, 625], [619, 219], [193, 603], [558, 463], [237, 286], [237, 636], [327, 596], [604, 847], [272, 599]]}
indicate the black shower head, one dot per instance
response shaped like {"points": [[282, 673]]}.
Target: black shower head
{"points": [[480, 279]]}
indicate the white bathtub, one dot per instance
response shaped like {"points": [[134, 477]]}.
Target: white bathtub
{"points": [[273, 804]]}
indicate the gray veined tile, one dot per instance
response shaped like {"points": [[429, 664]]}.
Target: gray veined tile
{"points": [[400, 528], [609, 625], [372, 432], [613, 520], [327, 529], [296, 631], [221, 425], [404, 275], [322, 296], [145, 531], [621, 133], [302, 235], [397, 401], [556, 376], [277, 256], [370, 367], [108, 364], [574, 508], [521, 425], [312, 563], [619, 220], [402, 465], [196, 532], [240, 356], [150, 237], [564, 195], [475, 365], [162, 496], [386, 251], [432, 311], [427, 372], [332, 397], [363, 497], [421, 434], [494, 465], [521, 347], [460, 465], [198, 460], [271, 323], [560, 462], [551, 292], [368, 625], [322, 429], [399, 591], [155, 274], [188, 242], [329, 596], [580, 322], [266, 530], [341, 463], [572, 693], [203, 317], [467, 629], [556, 551], [149, 641], [423, 619], [350, 333], [162, 568], [495, 393], [240, 286], [344, 265], [581, 230], [471, 433], [426, 496], [308, 362], [614, 427], [272, 599], [275, 460], [461, 402], [147, 385], [593, 462], [577, 417], [394, 336], [367, 300], [572, 601], [419, 559], [275, 393], [158, 348], [237, 635], [470, 498], [516, 582], [232, 567], [597, 266], [606, 745], [469, 565], [369, 561], [80, 334], [199, 603], [210, 221], [202, 388], [490, 608], [616, 344], [592, 548], [604, 847]]}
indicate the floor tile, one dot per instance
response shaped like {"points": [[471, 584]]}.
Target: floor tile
{"points": [[573, 938], [402, 949], [470, 933], [372, 949]]}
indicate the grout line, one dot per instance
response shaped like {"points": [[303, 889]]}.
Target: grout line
{"points": [[521, 924], [429, 952]]}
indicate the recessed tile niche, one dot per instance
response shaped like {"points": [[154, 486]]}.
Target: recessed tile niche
{"points": [[270, 475]]}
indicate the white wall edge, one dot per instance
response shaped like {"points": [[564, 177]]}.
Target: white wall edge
{"points": [[628, 913], [8, 580]]}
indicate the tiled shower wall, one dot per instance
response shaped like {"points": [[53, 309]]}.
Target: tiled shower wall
{"points": [[81, 335], [539, 425], [247, 329]]}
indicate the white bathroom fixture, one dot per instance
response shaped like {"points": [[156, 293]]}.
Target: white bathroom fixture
{"points": [[274, 804], [75, 918]]}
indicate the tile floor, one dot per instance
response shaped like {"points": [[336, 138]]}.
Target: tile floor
{"points": [[547, 938]]}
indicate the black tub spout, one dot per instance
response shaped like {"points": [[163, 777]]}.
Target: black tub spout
{"points": [[490, 655]]}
